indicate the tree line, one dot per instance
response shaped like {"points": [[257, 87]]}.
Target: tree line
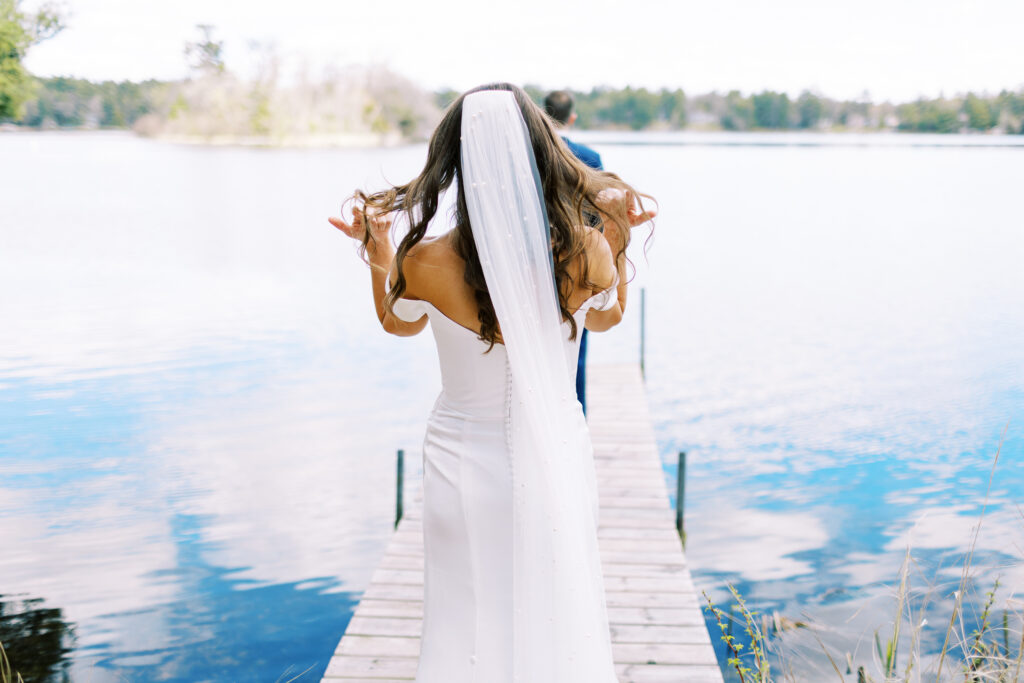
{"points": [[19, 31], [354, 105], [76, 103], [212, 101], [642, 109]]}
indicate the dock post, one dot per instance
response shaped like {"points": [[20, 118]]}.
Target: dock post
{"points": [[681, 495], [399, 487], [643, 330]]}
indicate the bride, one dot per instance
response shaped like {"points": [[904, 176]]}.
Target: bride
{"points": [[513, 589]]}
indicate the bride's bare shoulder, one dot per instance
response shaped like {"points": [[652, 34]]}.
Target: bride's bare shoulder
{"points": [[436, 251], [430, 265]]}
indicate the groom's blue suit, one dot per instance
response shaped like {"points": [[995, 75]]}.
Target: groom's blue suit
{"points": [[593, 160]]}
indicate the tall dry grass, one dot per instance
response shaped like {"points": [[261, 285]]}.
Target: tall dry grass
{"points": [[6, 673], [981, 643], [354, 106]]}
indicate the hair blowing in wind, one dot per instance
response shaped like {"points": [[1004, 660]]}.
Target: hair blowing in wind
{"points": [[570, 189]]}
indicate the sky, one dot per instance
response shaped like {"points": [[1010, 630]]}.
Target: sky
{"points": [[892, 49]]}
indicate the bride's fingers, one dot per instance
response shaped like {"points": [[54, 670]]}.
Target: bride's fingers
{"points": [[339, 223], [352, 231], [643, 216], [637, 213], [375, 221], [378, 222]]}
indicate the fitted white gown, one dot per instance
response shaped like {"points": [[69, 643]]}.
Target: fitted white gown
{"points": [[467, 495]]}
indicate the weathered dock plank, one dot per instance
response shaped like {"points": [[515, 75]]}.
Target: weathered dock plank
{"points": [[658, 631]]}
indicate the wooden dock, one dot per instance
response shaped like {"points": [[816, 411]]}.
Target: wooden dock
{"points": [[657, 628]]}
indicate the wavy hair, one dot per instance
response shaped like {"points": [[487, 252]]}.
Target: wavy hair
{"points": [[570, 190]]}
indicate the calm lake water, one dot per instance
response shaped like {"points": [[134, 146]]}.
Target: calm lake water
{"points": [[199, 412]]}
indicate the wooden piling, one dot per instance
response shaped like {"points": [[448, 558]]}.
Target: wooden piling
{"points": [[399, 486], [681, 497]]}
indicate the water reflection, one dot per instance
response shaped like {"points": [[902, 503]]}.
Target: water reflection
{"points": [[196, 542], [840, 364], [198, 413], [198, 521], [36, 638], [758, 544], [189, 467], [220, 624]]}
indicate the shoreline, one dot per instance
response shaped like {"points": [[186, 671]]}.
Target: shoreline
{"points": [[691, 138], [321, 141]]}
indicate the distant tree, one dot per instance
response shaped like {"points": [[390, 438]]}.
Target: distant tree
{"points": [[1011, 110], [1013, 102], [980, 113], [61, 101], [771, 109], [19, 31], [72, 102], [672, 107], [851, 111], [444, 97], [739, 112], [634, 108], [205, 56], [928, 116], [536, 93], [589, 107], [809, 109]]}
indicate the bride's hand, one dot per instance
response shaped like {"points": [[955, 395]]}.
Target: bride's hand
{"points": [[619, 203], [379, 225]]}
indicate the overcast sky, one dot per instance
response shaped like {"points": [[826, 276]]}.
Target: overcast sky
{"points": [[894, 49]]}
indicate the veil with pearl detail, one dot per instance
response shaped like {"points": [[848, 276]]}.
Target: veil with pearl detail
{"points": [[560, 630]]}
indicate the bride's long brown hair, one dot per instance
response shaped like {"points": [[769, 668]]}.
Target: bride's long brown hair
{"points": [[570, 190]]}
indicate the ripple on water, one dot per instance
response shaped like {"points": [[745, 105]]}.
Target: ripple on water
{"points": [[198, 414]]}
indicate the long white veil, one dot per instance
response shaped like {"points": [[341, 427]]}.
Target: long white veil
{"points": [[561, 626]]}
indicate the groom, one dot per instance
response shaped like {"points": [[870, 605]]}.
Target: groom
{"points": [[559, 106]]}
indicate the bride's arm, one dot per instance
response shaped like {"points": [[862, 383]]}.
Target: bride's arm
{"points": [[614, 240], [613, 257], [381, 255], [603, 269], [619, 209]]}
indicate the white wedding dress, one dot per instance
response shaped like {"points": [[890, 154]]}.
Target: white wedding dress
{"points": [[513, 586], [468, 507]]}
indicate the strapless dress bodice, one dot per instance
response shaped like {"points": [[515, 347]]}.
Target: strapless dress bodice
{"points": [[475, 380]]}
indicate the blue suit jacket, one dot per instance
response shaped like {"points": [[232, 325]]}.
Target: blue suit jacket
{"points": [[585, 154], [593, 160]]}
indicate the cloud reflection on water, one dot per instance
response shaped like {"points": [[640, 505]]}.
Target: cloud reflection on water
{"points": [[198, 414], [189, 465], [755, 544], [836, 340]]}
